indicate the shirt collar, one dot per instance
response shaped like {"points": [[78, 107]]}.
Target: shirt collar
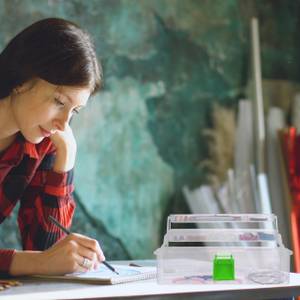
{"points": [[15, 152], [30, 149]]}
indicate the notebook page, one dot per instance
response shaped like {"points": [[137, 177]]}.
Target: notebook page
{"points": [[106, 276]]}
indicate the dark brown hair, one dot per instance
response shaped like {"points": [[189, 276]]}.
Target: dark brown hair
{"points": [[52, 49]]}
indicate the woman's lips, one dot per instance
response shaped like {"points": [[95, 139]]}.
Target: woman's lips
{"points": [[45, 133]]}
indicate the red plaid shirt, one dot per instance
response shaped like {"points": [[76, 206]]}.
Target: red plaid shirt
{"points": [[26, 175]]}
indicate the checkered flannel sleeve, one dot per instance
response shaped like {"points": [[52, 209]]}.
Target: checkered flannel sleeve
{"points": [[49, 193]]}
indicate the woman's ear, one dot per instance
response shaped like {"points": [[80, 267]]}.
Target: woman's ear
{"points": [[16, 91], [24, 87], [20, 89]]}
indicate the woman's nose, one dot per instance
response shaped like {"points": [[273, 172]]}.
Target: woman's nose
{"points": [[61, 122]]}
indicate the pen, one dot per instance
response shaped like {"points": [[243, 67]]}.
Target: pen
{"points": [[67, 231]]}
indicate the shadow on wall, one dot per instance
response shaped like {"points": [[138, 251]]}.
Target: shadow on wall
{"points": [[84, 223]]}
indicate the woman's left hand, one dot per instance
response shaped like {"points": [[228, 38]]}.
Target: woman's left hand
{"points": [[65, 144]]}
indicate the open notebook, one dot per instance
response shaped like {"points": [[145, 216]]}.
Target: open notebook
{"points": [[104, 276]]}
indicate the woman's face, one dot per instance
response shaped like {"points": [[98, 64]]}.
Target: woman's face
{"points": [[40, 108]]}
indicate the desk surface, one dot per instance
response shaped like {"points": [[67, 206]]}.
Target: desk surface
{"points": [[149, 290]]}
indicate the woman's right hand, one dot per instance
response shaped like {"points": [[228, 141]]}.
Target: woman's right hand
{"points": [[66, 256]]}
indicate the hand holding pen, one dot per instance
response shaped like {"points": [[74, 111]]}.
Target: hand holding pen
{"points": [[87, 262]]}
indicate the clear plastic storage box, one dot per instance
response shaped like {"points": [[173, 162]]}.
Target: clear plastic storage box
{"points": [[221, 248]]}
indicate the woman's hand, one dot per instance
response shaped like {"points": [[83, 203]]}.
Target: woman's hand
{"points": [[65, 144], [66, 256]]}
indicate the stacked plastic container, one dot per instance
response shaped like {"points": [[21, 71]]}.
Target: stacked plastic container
{"points": [[193, 242]]}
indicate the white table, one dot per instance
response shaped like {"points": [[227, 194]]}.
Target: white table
{"points": [[150, 290]]}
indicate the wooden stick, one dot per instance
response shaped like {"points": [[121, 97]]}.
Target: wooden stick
{"points": [[10, 282]]}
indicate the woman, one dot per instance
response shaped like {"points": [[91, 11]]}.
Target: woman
{"points": [[47, 74]]}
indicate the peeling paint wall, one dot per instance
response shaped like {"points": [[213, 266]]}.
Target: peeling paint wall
{"points": [[165, 63]]}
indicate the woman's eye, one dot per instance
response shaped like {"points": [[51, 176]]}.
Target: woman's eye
{"points": [[62, 104], [58, 102], [76, 111]]}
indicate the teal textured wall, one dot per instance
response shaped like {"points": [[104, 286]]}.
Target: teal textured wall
{"points": [[165, 63]]}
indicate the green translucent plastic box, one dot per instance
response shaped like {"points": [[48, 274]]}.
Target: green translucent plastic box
{"points": [[223, 268]]}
